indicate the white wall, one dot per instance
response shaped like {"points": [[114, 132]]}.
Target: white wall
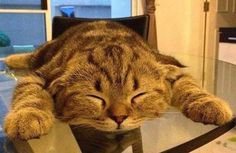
{"points": [[172, 25], [180, 31], [180, 26]]}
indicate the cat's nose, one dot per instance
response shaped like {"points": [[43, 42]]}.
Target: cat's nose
{"points": [[118, 112], [119, 119]]}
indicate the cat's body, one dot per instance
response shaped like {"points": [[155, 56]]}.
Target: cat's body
{"points": [[104, 75]]}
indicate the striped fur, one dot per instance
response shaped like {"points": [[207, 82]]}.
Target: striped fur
{"points": [[102, 74]]}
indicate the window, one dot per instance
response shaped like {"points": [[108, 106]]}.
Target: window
{"points": [[23, 28], [27, 23], [23, 24], [91, 8], [20, 4]]}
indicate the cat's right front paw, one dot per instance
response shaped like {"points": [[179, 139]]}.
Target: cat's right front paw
{"points": [[27, 123], [208, 110]]}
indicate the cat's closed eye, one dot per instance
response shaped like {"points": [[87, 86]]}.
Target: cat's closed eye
{"points": [[159, 91], [97, 98], [137, 96]]}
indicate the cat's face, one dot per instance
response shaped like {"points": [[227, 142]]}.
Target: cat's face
{"points": [[92, 98], [113, 94]]}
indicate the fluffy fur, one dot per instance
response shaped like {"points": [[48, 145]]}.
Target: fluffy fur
{"points": [[104, 75]]}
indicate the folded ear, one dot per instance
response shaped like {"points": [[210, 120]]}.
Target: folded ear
{"points": [[56, 86], [172, 73]]}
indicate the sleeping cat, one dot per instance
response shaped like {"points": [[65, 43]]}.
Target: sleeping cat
{"points": [[102, 74]]}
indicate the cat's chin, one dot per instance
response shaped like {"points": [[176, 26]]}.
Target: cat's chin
{"points": [[112, 127], [116, 130]]}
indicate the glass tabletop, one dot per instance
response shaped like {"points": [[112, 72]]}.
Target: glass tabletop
{"points": [[159, 135]]}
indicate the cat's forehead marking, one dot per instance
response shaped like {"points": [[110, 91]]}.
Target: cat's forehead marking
{"points": [[114, 59], [135, 83], [97, 85], [113, 50], [103, 70], [127, 73]]}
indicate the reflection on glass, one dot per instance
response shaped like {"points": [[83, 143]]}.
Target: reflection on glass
{"points": [[91, 140]]}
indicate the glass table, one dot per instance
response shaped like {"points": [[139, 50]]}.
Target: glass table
{"points": [[171, 133]]}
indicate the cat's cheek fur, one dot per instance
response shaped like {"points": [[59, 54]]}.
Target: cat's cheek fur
{"points": [[131, 123], [104, 125], [82, 108], [152, 108]]}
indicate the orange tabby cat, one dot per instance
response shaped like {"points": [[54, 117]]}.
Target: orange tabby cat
{"points": [[104, 75]]}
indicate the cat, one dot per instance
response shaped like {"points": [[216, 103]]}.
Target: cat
{"points": [[104, 75]]}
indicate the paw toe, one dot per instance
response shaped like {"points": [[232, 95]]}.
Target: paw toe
{"points": [[27, 124], [208, 111]]}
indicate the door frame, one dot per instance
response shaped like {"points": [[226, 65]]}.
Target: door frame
{"points": [[216, 17]]}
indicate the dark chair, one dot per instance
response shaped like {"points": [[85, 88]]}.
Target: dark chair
{"points": [[138, 24]]}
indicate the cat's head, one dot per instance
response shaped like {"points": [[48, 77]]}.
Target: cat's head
{"points": [[113, 97]]}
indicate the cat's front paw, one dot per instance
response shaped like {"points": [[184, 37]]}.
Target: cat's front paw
{"points": [[27, 123], [208, 110]]}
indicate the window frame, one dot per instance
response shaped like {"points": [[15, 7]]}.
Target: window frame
{"points": [[45, 10], [136, 9]]}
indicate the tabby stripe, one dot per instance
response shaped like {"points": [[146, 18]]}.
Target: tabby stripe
{"points": [[71, 94], [135, 57], [63, 97], [112, 50], [196, 96], [27, 89], [104, 71], [35, 103], [177, 79], [126, 74], [60, 101], [21, 96], [56, 73], [27, 84], [87, 28], [97, 85], [113, 26], [90, 60], [136, 83], [18, 94]]}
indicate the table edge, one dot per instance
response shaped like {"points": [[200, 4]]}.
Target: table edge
{"points": [[203, 139]]}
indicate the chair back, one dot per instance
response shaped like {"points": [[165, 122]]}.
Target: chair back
{"points": [[139, 24]]}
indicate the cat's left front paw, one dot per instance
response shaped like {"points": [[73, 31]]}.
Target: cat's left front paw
{"points": [[208, 110], [27, 123]]}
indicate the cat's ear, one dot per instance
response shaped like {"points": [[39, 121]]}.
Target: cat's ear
{"points": [[172, 73], [56, 86]]}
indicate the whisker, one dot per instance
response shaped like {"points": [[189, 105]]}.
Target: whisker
{"points": [[87, 126]]}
